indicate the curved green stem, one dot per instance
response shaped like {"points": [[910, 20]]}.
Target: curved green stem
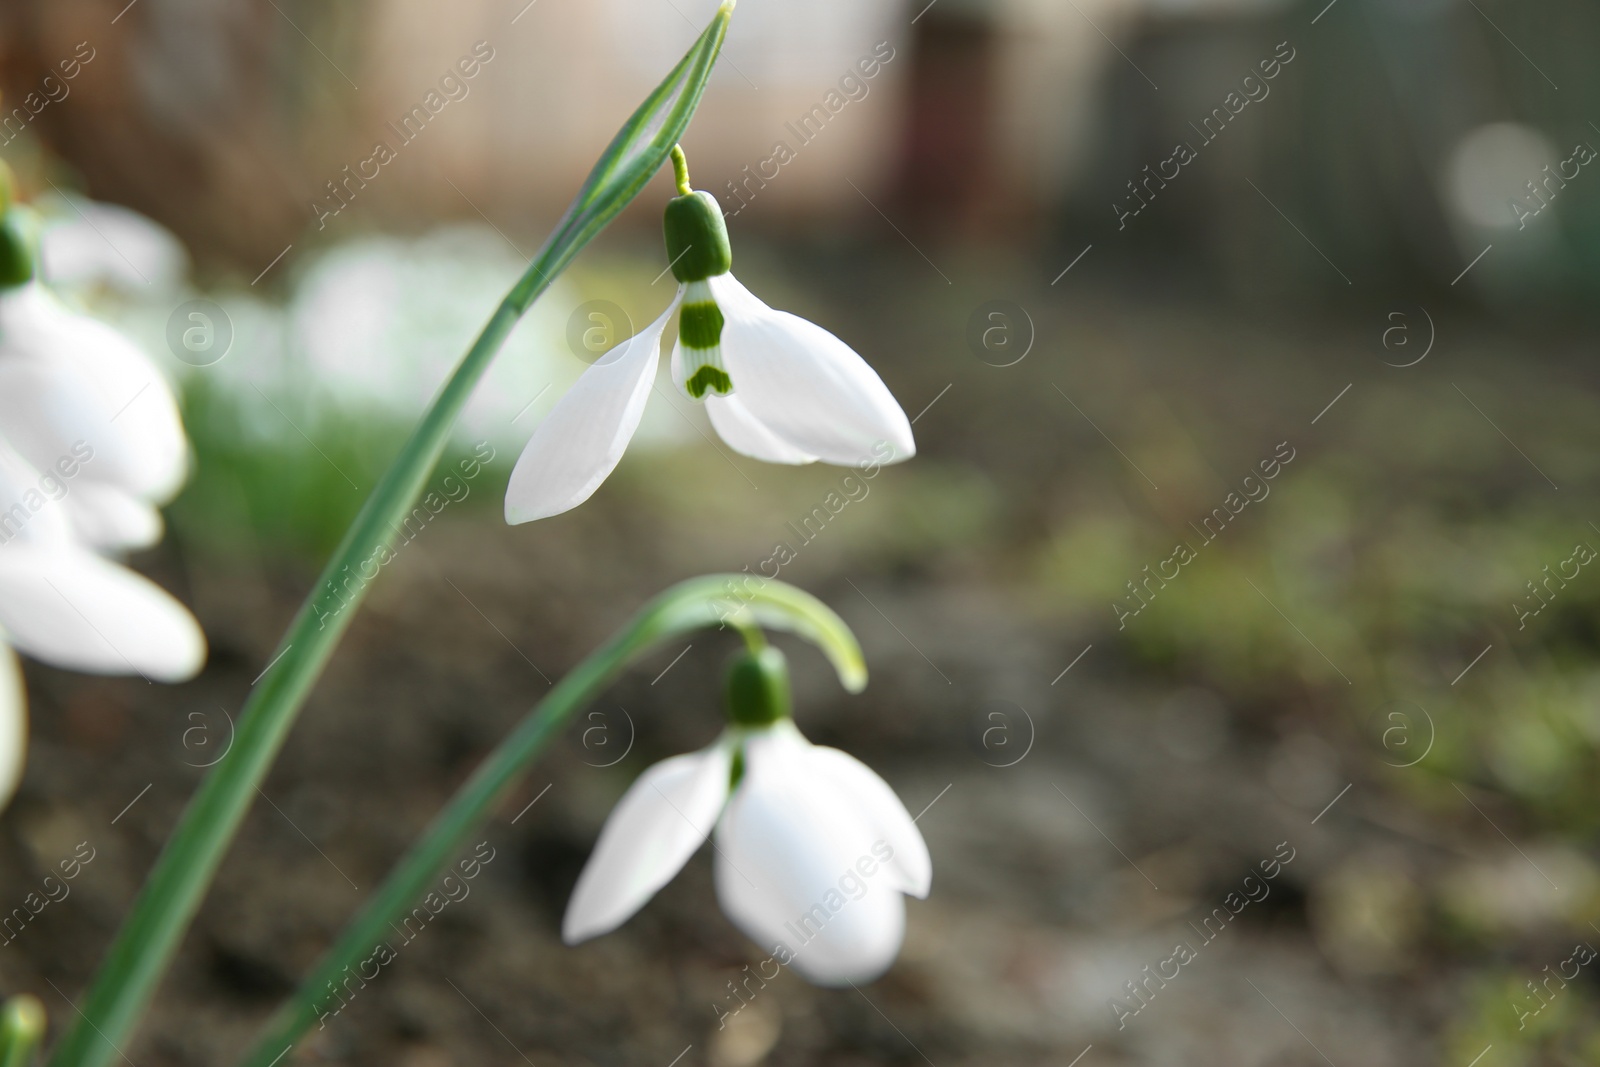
{"points": [[680, 171], [691, 605], [173, 890]]}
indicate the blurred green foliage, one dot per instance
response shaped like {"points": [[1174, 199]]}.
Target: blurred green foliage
{"points": [[284, 495]]}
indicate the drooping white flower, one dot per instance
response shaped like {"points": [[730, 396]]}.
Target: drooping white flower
{"points": [[776, 387], [90, 441], [814, 852], [77, 394]]}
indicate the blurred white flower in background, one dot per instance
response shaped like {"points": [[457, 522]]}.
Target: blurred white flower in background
{"points": [[87, 243], [378, 322]]}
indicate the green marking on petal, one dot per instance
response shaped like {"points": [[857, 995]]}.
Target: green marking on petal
{"points": [[709, 378], [700, 325]]}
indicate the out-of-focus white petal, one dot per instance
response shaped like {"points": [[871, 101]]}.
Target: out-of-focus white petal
{"points": [[88, 242], [69, 607], [747, 436], [805, 386], [74, 390], [13, 723], [581, 441], [27, 512], [881, 809], [657, 825], [792, 857], [109, 519]]}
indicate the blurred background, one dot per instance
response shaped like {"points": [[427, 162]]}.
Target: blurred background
{"points": [[1249, 346]]}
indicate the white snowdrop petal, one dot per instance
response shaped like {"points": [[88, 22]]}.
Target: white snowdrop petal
{"points": [[28, 514], [13, 723], [795, 871], [657, 825], [581, 441], [878, 805], [807, 387], [109, 519], [71, 608], [735, 425], [74, 391]]}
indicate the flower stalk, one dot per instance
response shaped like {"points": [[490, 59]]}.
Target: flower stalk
{"points": [[172, 893]]}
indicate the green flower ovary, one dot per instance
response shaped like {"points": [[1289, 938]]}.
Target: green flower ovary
{"points": [[758, 688], [696, 237]]}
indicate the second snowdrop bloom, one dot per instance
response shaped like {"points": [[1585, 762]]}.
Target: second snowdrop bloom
{"points": [[776, 387], [89, 441], [814, 852]]}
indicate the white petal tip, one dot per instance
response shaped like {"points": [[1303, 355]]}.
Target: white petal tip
{"points": [[522, 512], [185, 662], [841, 979]]}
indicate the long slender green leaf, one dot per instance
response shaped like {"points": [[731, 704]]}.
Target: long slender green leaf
{"points": [[692, 605], [172, 892]]}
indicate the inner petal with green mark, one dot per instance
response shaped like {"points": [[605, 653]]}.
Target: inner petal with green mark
{"points": [[700, 338]]}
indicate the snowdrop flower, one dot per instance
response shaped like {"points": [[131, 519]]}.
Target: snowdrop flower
{"points": [[814, 852], [89, 440], [776, 387]]}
